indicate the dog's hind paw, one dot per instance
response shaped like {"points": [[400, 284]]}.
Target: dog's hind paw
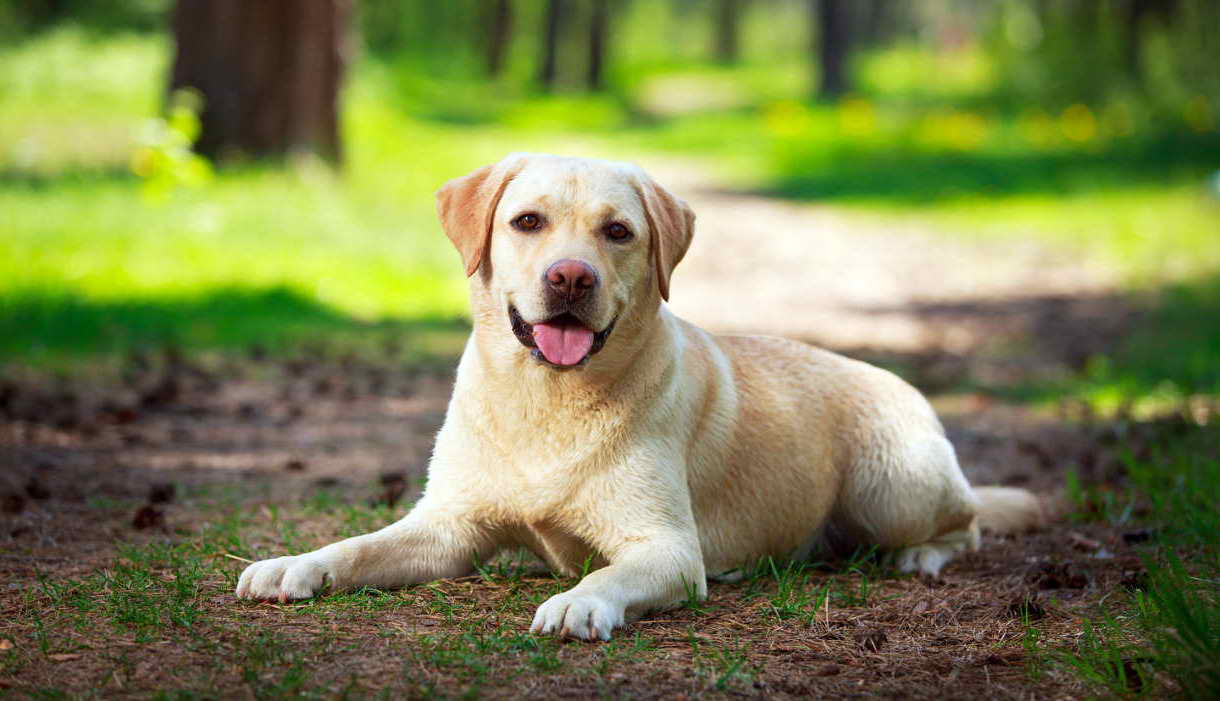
{"points": [[925, 559], [574, 615]]}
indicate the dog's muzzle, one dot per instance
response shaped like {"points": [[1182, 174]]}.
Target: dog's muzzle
{"points": [[562, 341]]}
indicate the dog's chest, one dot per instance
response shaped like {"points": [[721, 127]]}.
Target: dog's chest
{"points": [[547, 507], [562, 549]]}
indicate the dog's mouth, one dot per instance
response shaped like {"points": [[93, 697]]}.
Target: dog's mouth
{"points": [[563, 341]]}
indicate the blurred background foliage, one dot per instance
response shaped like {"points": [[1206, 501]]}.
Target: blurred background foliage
{"points": [[1093, 125]]}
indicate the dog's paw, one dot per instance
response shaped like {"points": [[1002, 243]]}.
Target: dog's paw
{"points": [[575, 615], [285, 578]]}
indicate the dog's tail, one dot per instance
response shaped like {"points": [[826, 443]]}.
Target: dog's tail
{"points": [[1008, 510]]}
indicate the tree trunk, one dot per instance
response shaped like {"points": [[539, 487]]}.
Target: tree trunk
{"points": [[877, 21], [550, 43], [1137, 14], [728, 14], [833, 43], [499, 37], [269, 73], [597, 43]]}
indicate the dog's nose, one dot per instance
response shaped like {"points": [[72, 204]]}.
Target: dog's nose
{"points": [[570, 279]]}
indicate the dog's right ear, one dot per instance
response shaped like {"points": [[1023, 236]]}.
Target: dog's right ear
{"points": [[467, 207]]}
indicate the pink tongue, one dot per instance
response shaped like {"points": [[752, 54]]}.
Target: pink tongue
{"points": [[563, 344]]}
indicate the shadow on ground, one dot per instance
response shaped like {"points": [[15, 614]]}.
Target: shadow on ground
{"points": [[48, 325], [48, 177], [1014, 347], [1054, 346]]}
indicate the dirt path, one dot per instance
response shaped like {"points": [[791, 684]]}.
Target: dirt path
{"points": [[761, 265]]}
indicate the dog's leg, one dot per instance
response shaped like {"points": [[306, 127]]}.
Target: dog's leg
{"points": [[910, 498], [427, 544], [650, 574], [927, 558], [641, 522]]}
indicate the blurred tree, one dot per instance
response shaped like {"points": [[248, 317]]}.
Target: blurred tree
{"points": [[40, 13], [879, 20], [1143, 60], [17, 16], [728, 19], [268, 71], [1136, 24], [833, 42], [499, 34], [555, 15], [597, 43]]}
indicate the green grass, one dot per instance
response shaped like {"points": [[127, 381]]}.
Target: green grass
{"points": [[1168, 360], [1172, 357], [1164, 636], [1153, 234], [89, 265], [70, 99]]}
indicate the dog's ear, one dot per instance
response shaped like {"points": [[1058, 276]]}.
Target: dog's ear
{"points": [[673, 225], [467, 207]]}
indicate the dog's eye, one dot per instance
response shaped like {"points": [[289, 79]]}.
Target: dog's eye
{"points": [[617, 231], [527, 222]]}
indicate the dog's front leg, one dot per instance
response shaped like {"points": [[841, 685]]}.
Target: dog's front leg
{"points": [[426, 544], [654, 563], [653, 574]]}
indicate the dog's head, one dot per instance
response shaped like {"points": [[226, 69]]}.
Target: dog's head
{"points": [[565, 249]]}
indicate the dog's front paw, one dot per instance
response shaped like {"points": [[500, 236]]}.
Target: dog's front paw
{"points": [[575, 615], [285, 578]]}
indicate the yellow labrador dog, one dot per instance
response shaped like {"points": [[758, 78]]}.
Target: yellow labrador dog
{"points": [[595, 428]]}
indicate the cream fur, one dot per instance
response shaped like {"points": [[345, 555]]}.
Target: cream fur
{"points": [[670, 456]]}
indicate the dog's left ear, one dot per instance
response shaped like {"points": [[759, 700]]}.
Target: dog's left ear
{"points": [[467, 207], [673, 225]]}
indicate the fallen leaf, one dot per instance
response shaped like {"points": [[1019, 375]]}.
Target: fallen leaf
{"points": [[1026, 606], [148, 517], [1083, 543], [395, 485], [6, 644], [35, 490], [63, 656], [161, 492], [871, 640], [12, 503], [1141, 536]]}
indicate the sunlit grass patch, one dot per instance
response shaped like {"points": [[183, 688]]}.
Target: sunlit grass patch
{"points": [[89, 265], [1151, 233], [71, 99]]}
